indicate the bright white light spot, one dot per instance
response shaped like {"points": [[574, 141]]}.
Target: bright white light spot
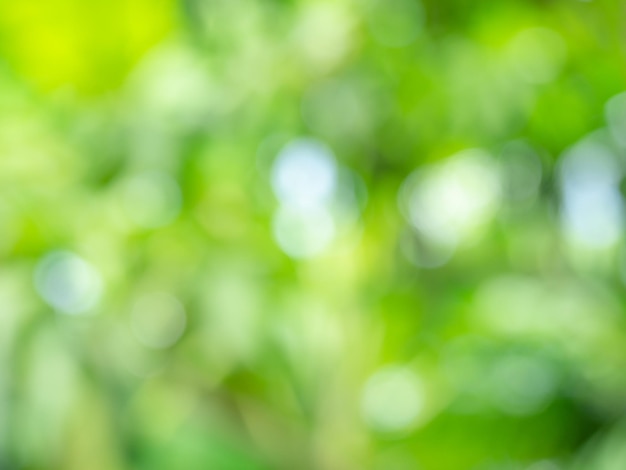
{"points": [[395, 23], [592, 202], [151, 199], [304, 174], [451, 201], [68, 283], [303, 233], [522, 385], [392, 400], [616, 117], [158, 320], [538, 54]]}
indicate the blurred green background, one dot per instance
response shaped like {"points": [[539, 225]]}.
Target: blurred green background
{"points": [[301, 234]]}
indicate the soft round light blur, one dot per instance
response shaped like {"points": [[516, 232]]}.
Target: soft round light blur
{"points": [[537, 54], [151, 199], [68, 283], [395, 23], [392, 400], [171, 84], [592, 212], [304, 174], [303, 233], [158, 320], [323, 34], [450, 202]]}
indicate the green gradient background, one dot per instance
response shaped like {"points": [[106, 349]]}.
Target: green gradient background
{"points": [[271, 369]]}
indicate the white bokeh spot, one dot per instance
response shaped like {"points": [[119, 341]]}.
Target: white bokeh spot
{"points": [[304, 174], [68, 283]]}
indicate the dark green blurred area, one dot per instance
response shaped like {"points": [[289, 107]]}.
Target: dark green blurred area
{"points": [[334, 235]]}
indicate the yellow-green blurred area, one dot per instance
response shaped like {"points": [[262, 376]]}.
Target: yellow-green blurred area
{"points": [[86, 46], [312, 234]]}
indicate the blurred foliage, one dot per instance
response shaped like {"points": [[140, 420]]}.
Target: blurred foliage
{"points": [[298, 234]]}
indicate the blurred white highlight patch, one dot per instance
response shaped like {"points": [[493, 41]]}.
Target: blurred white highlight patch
{"points": [[305, 179], [450, 202], [68, 283], [304, 174], [158, 320], [592, 206], [392, 400]]}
